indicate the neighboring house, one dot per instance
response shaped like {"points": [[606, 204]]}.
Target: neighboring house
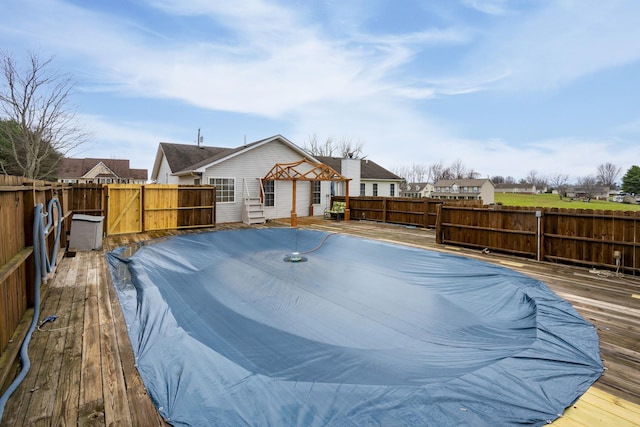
{"points": [[598, 193], [516, 188], [416, 189], [367, 177], [99, 171], [465, 189]]}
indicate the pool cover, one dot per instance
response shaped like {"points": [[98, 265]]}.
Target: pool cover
{"points": [[359, 332]]}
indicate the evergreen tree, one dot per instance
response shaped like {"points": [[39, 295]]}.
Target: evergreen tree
{"points": [[631, 180]]}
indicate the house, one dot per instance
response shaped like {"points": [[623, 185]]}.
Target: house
{"points": [[595, 192], [516, 188], [367, 177], [99, 171], [239, 172], [416, 189], [465, 189]]}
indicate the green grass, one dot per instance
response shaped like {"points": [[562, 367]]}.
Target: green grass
{"points": [[553, 201]]}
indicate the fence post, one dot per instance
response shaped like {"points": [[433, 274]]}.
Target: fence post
{"points": [[384, 209], [539, 235], [439, 223]]}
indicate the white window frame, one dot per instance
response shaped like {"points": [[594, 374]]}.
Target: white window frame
{"points": [[220, 190], [273, 193]]}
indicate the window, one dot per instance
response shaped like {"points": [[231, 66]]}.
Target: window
{"points": [[269, 192], [392, 190], [375, 189], [362, 188], [454, 188], [225, 189], [475, 190], [316, 192], [196, 181]]}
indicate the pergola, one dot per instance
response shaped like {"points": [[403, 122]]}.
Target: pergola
{"points": [[304, 170]]}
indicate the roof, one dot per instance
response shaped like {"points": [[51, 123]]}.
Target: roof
{"points": [[186, 158], [411, 186], [368, 168], [76, 168], [463, 182], [514, 185]]}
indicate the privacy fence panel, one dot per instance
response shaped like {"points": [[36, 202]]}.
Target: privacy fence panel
{"points": [[197, 206], [87, 199], [124, 208], [160, 207], [510, 230], [178, 206], [592, 238], [421, 212]]}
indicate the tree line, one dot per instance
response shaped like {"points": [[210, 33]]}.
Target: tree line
{"points": [[606, 175]]}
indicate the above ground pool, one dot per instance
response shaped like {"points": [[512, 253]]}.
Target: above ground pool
{"points": [[291, 327]]}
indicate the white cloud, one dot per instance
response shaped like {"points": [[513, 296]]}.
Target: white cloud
{"points": [[135, 141], [561, 42], [491, 7]]}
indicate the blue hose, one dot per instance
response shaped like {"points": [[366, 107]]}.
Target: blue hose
{"points": [[43, 266]]}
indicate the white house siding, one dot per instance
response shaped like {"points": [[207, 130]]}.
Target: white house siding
{"points": [[384, 188], [487, 193], [164, 174], [254, 164]]}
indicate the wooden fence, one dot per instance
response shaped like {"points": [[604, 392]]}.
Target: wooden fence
{"points": [[134, 208], [18, 198], [592, 238], [159, 207], [421, 212]]}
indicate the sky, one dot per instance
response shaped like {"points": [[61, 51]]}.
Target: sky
{"points": [[504, 86]]}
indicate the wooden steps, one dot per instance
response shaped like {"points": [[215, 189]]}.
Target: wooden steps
{"points": [[253, 212]]}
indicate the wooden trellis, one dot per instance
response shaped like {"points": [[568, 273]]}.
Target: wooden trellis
{"points": [[305, 170]]}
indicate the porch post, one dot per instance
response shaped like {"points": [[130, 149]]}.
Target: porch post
{"points": [[347, 211], [294, 216]]}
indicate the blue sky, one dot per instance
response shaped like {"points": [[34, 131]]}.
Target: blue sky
{"points": [[505, 86]]}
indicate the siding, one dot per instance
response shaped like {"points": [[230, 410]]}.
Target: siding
{"points": [[251, 166], [164, 174]]}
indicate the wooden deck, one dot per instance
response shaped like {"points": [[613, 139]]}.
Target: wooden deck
{"points": [[83, 369]]}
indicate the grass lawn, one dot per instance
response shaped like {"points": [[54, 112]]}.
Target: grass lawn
{"points": [[553, 201]]}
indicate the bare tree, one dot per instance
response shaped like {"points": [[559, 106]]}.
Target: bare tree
{"points": [[498, 179], [608, 174], [588, 184], [36, 101], [471, 174], [435, 172], [540, 181], [315, 148], [457, 169], [345, 147], [350, 149], [559, 182]]}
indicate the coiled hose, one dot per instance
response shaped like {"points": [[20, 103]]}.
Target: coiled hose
{"points": [[44, 265]]}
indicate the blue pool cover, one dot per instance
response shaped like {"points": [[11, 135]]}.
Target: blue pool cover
{"points": [[226, 332]]}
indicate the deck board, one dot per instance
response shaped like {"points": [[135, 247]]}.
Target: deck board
{"points": [[83, 370]]}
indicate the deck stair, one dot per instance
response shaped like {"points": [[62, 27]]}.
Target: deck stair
{"points": [[253, 212]]}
